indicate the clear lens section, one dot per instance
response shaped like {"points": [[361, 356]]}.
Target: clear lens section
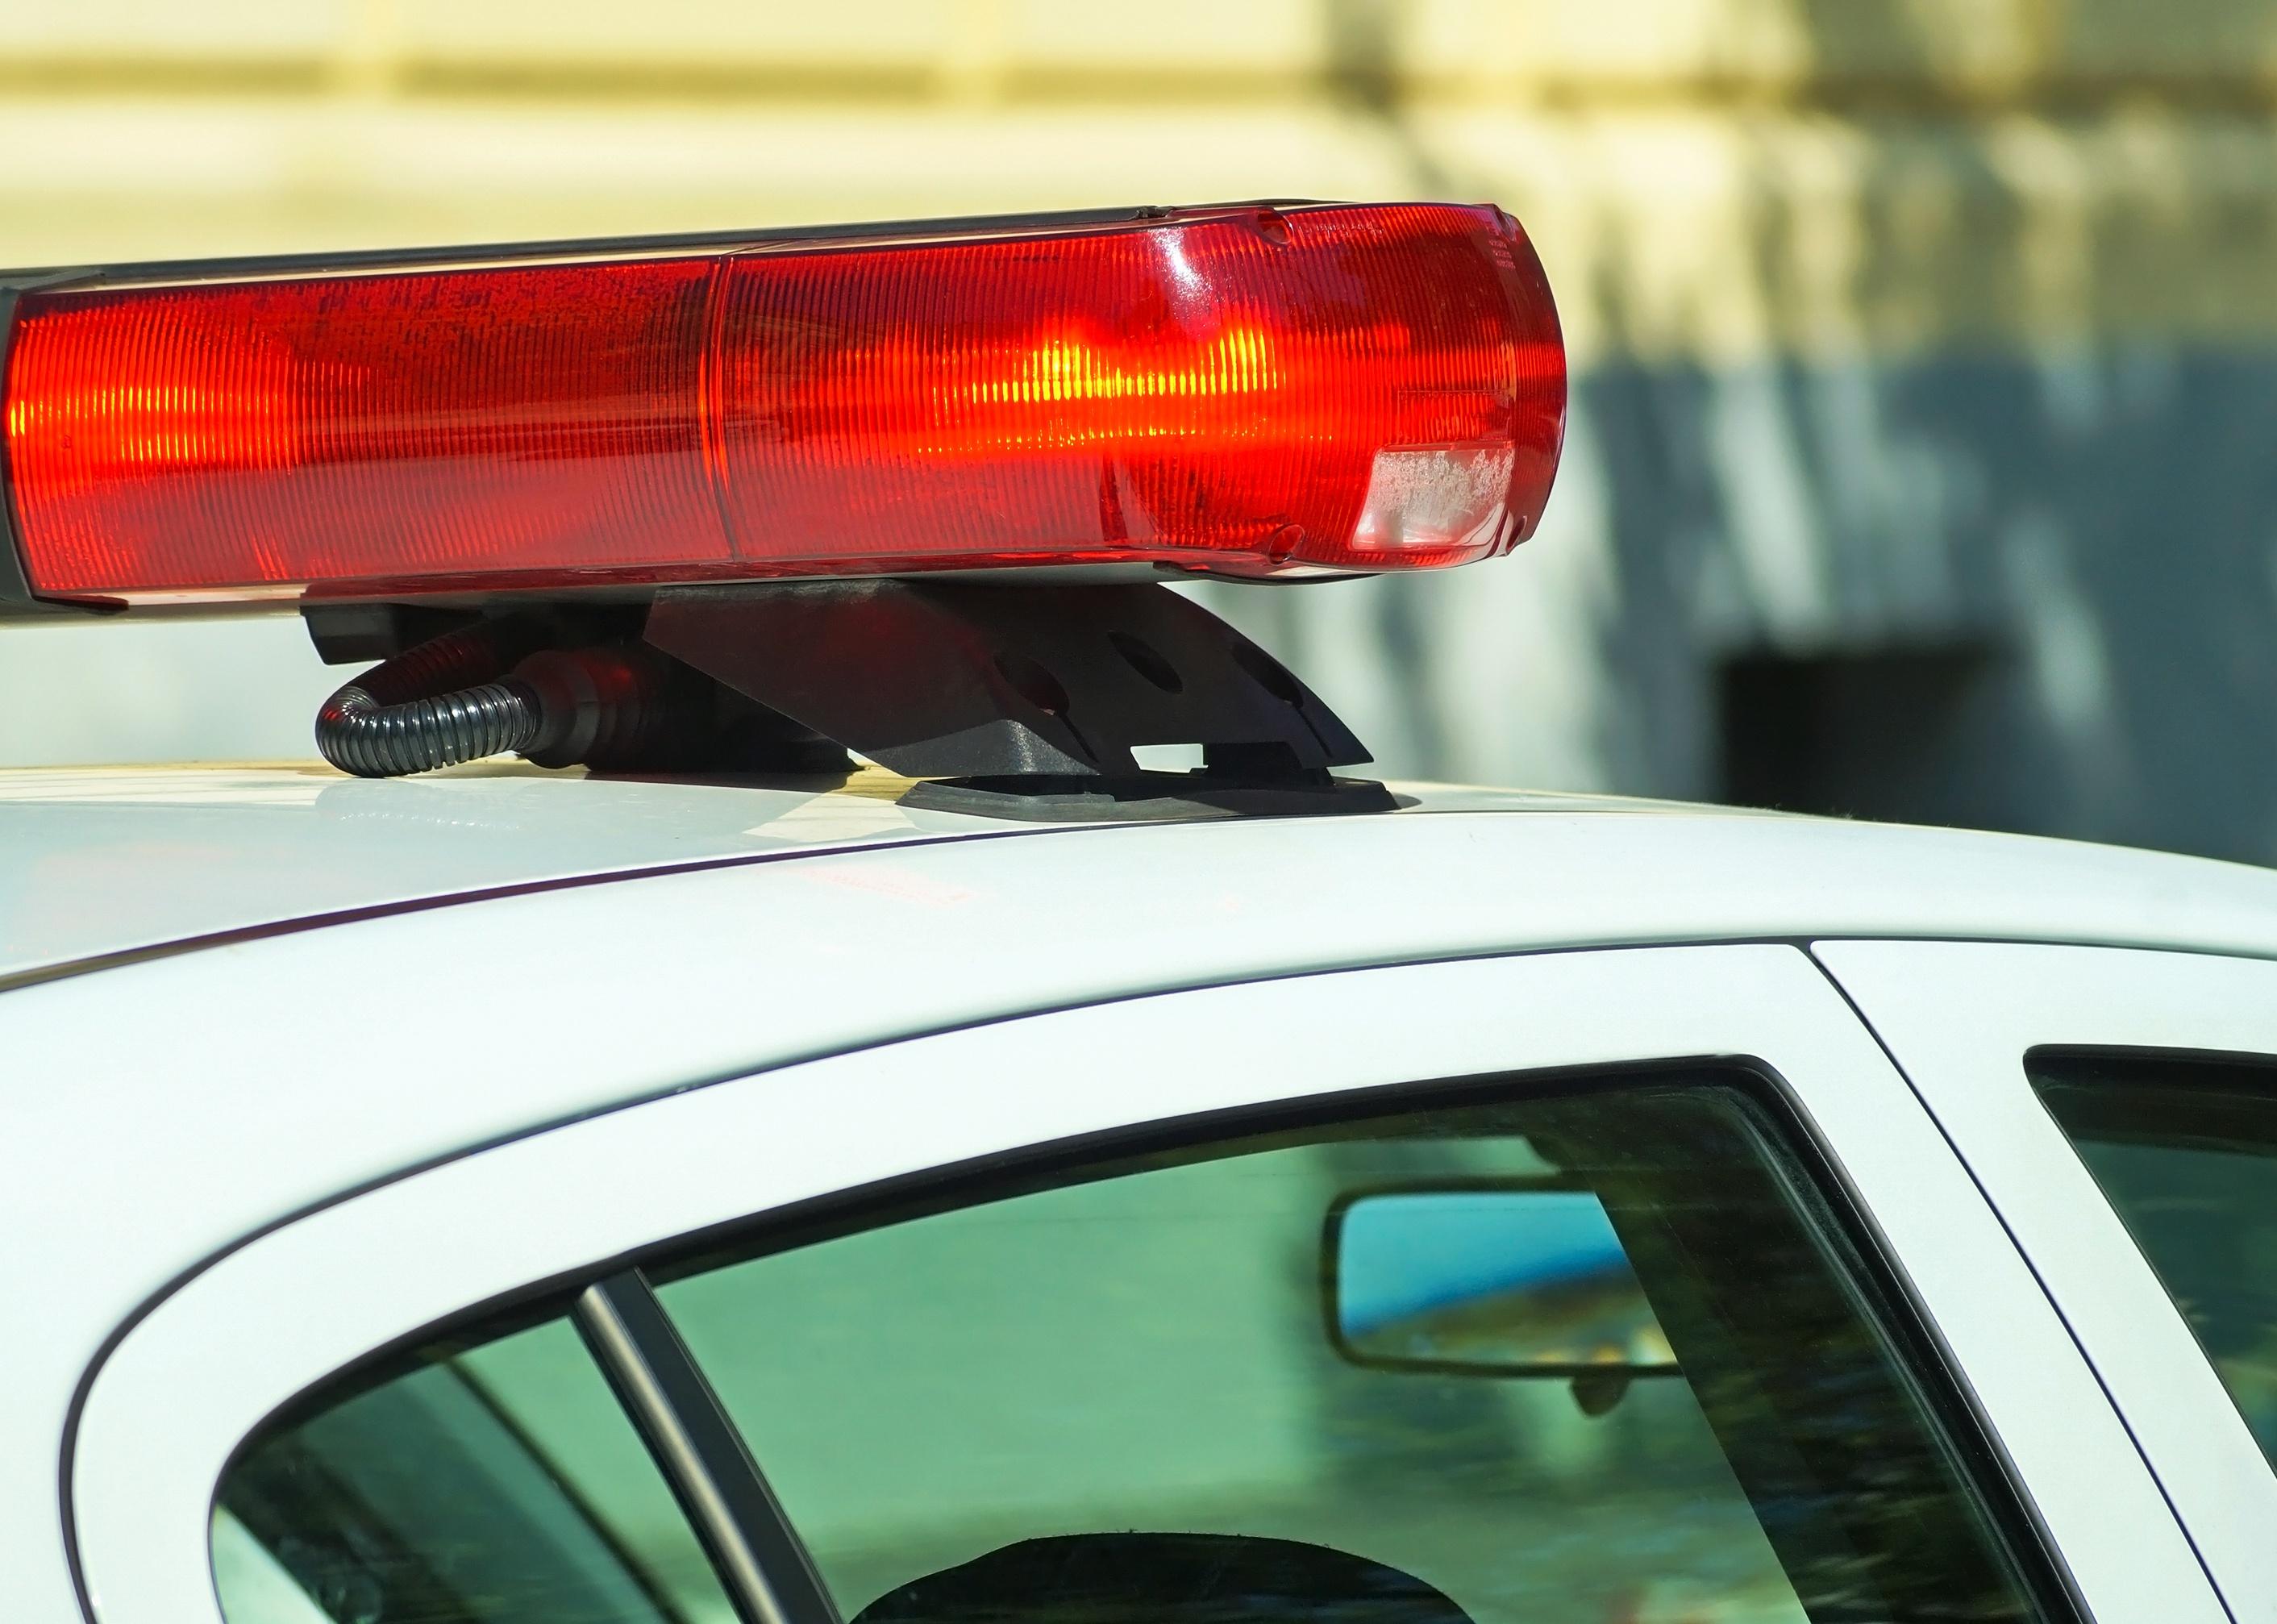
{"points": [[1249, 391], [1438, 501]]}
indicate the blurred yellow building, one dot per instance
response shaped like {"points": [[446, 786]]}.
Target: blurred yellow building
{"points": [[1925, 350], [1705, 176]]}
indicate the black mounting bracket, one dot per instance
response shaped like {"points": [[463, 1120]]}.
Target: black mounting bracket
{"points": [[1014, 699], [1029, 699]]}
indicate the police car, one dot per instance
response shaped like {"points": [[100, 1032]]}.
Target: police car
{"points": [[926, 1097]]}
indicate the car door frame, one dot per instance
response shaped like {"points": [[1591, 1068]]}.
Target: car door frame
{"points": [[1959, 1017], [186, 1385]]}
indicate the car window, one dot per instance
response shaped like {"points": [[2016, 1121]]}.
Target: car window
{"points": [[2185, 1148], [496, 1484], [1600, 1354], [1147, 1349]]}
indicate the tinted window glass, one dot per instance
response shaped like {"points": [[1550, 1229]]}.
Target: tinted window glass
{"points": [[2186, 1150], [1150, 1351], [500, 1485]]}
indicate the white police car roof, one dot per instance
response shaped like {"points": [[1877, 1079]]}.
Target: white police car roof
{"points": [[194, 855], [188, 854]]}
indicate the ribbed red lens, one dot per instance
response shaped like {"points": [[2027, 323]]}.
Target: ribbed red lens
{"points": [[1247, 391]]}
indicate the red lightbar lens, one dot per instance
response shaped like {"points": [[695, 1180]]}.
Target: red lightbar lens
{"points": [[1247, 391]]}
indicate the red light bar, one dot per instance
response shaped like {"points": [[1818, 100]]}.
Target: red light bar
{"points": [[1246, 391]]}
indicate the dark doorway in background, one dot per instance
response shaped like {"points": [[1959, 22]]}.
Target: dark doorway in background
{"points": [[1894, 736]]}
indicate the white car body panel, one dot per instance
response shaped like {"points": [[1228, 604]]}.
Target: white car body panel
{"points": [[186, 855], [216, 1358], [1959, 1017], [197, 853], [215, 1019]]}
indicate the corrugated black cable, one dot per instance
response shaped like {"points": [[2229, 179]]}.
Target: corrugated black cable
{"points": [[448, 700]]}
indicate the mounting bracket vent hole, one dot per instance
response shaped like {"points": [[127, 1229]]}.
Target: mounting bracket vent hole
{"points": [[1271, 675], [1148, 661], [1032, 682]]}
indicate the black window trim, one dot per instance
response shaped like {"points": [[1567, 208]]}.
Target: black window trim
{"points": [[762, 1563]]}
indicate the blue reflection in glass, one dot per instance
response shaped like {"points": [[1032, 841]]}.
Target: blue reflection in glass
{"points": [[1494, 1277]]}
